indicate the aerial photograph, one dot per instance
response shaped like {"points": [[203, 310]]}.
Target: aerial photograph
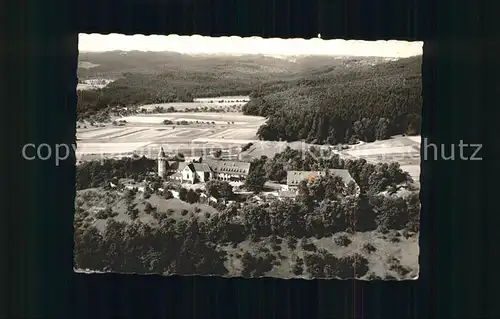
{"points": [[248, 157]]}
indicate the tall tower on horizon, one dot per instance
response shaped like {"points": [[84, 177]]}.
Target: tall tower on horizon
{"points": [[162, 163]]}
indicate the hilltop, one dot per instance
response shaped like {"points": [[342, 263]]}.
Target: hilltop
{"points": [[113, 64], [339, 104]]}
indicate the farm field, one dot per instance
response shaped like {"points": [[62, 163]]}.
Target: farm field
{"points": [[391, 245], [144, 134], [219, 102]]}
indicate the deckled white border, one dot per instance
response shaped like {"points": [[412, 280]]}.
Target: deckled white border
{"points": [[197, 44]]}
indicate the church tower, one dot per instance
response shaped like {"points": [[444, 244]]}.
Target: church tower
{"points": [[162, 163]]}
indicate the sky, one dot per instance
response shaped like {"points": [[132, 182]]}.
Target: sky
{"points": [[197, 44]]}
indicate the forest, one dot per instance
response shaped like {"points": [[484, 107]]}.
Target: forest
{"points": [[324, 207], [197, 246], [342, 105]]}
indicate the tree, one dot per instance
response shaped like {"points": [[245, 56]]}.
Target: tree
{"points": [[382, 129], [183, 194], [218, 153], [334, 186], [192, 196], [133, 212], [89, 249], [257, 177], [167, 194], [246, 147], [351, 188], [180, 157], [303, 194], [148, 208]]}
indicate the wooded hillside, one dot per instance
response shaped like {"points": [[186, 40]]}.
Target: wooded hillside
{"points": [[339, 104]]}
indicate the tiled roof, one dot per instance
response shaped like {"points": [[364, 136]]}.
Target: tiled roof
{"points": [[229, 167], [201, 167], [174, 165], [295, 177]]}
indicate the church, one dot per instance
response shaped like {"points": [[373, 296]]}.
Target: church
{"points": [[201, 171]]}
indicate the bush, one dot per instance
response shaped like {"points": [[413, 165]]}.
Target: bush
{"points": [[308, 246], [167, 194], [148, 208], [184, 212], [354, 266], [373, 276], [394, 240], [207, 215], [133, 213], [369, 248], [292, 242], [246, 147], [106, 213], [192, 197], [342, 240], [297, 269], [157, 215], [183, 194], [395, 265], [256, 266]]}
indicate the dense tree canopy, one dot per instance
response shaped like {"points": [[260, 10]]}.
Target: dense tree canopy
{"points": [[337, 106], [100, 173]]}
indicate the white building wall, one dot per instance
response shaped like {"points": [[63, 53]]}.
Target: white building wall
{"points": [[162, 167]]}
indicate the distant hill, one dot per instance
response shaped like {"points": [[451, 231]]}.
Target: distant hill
{"points": [[113, 64]]}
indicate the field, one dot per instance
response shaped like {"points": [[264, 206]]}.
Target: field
{"points": [[144, 134]]}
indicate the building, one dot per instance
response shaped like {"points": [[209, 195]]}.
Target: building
{"points": [[293, 178], [189, 172], [202, 171]]}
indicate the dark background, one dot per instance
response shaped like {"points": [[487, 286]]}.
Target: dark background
{"points": [[457, 274]]}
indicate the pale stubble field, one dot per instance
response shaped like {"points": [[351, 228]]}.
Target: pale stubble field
{"points": [[144, 134]]}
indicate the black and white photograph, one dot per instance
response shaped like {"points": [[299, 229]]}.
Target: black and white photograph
{"points": [[248, 157]]}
